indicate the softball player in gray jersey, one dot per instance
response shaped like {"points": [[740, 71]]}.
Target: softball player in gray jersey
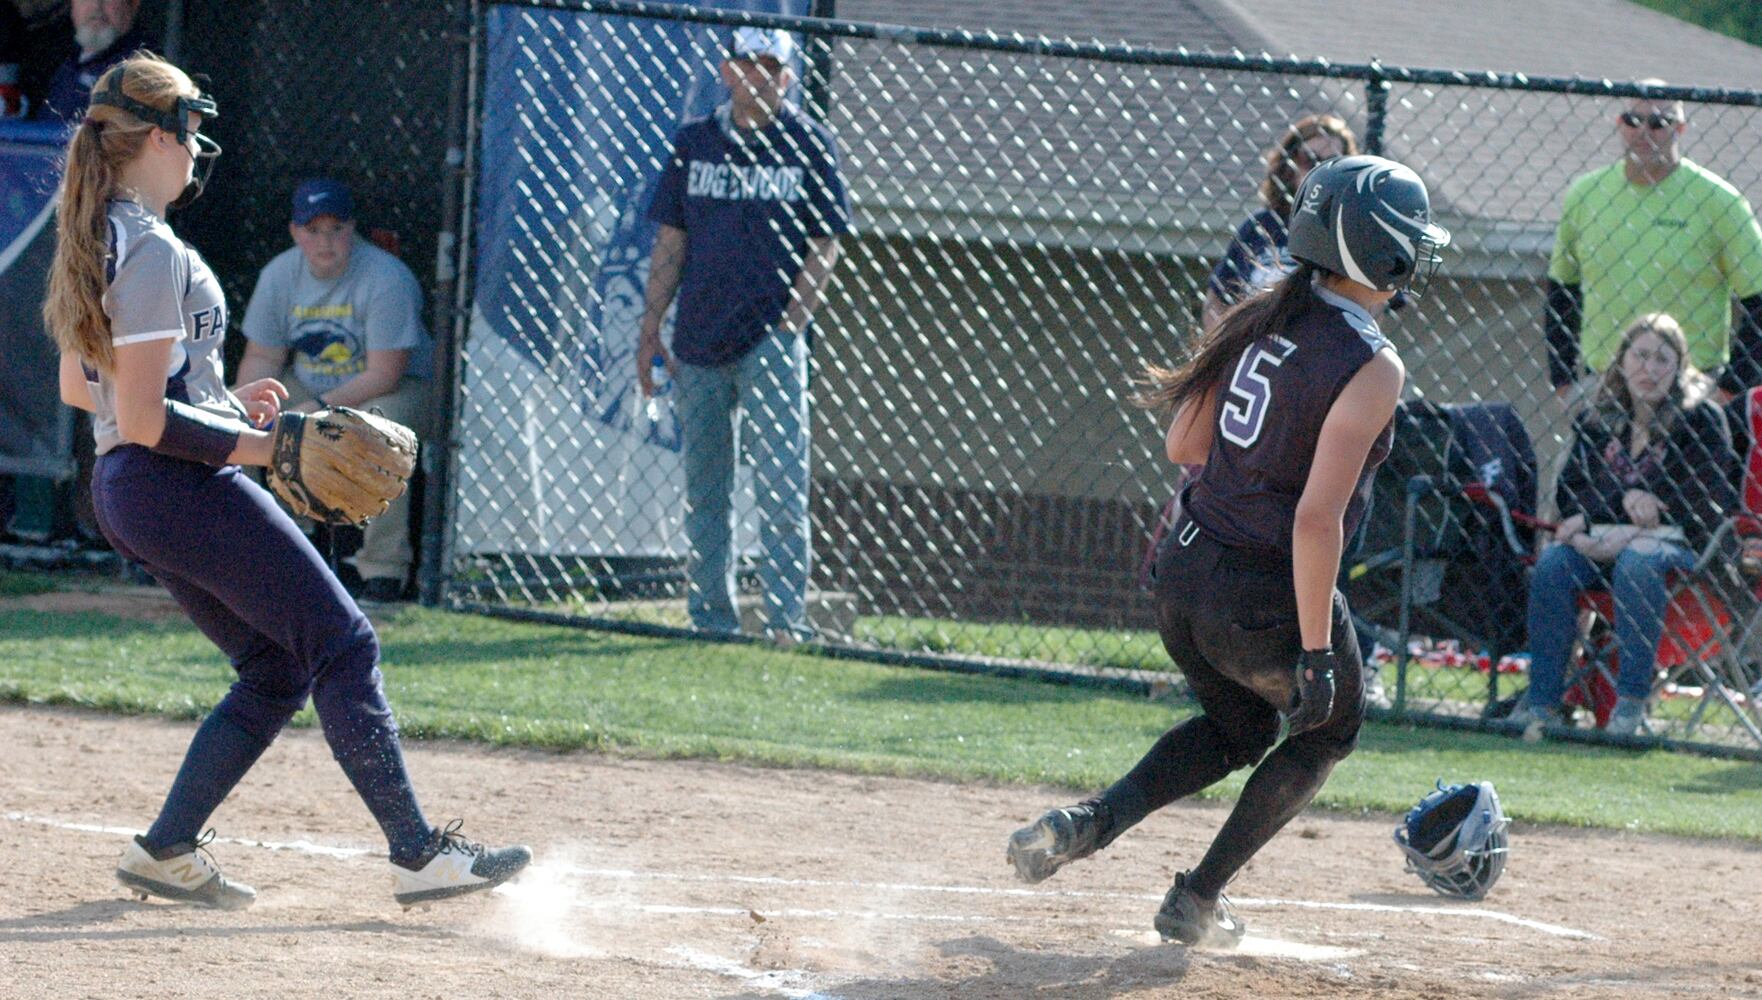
{"points": [[1289, 404], [139, 320]]}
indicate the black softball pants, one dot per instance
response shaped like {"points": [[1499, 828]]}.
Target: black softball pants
{"points": [[1228, 618]]}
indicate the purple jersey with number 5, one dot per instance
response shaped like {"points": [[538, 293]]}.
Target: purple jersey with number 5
{"points": [[1270, 415]]}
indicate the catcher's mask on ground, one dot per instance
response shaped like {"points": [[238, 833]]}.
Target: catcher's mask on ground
{"points": [[1455, 839]]}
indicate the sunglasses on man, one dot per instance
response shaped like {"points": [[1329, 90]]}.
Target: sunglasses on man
{"points": [[1633, 119]]}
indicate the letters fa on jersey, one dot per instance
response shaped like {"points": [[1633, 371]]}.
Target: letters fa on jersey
{"points": [[207, 323]]}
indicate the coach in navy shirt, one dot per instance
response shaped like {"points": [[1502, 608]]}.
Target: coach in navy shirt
{"points": [[750, 207], [105, 34]]}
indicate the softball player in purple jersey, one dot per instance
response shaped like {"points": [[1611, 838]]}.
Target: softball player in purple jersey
{"points": [[139, 320], [1289, 404]]}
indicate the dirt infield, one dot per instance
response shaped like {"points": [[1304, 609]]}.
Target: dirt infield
{"points": [[665, 879]]}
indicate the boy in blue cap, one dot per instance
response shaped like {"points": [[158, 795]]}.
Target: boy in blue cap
{"points": [[339, 322]]}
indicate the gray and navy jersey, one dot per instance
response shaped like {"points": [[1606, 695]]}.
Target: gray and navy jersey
{"points": [[161, 289], [1269, 419]]}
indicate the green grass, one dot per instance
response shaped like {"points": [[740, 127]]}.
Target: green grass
{"points": [[1106, 649], [14, 584], [1123, 649], [531, 685], [1739, 20]]}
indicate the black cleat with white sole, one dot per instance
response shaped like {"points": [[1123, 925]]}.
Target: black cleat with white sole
{"points": [[1058, 838], [1192, 921]]}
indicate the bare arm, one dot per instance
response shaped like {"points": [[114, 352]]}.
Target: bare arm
{"points": [[75, 391], [1191, 432], [810, 284], [1357, 417], [140, 402], [1212, 311], [261, 361], [665, 264]]}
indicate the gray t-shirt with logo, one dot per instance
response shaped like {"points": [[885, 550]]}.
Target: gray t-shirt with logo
{"points": [[161, 289], [329, 325]]}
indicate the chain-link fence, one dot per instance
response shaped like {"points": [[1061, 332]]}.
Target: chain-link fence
{"points": [[360, 93], [1031, 224]]}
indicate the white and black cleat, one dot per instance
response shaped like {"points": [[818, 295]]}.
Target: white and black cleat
{"points": [[184, 872], [454, 866]]}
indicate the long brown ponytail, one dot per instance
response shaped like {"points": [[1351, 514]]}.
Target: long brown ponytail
{"points": [[1165, 389], [101, 147]]}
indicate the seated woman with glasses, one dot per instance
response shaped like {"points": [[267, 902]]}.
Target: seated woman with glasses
{"points": [[1650, 476], [1257, 257]]}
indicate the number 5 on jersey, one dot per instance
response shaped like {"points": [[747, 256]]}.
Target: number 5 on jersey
{"points": [[1251, 391]]}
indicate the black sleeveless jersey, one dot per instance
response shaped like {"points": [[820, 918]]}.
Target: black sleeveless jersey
{"points": [[1269, 418]]}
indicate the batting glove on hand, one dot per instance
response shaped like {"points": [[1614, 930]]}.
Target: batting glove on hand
{"points": [[1314, 699]]}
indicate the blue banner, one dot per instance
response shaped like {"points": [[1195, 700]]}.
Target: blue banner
{"points": [[579, 114], [35, 428]]}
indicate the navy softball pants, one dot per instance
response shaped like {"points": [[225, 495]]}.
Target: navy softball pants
{"points": [[252, 582]]}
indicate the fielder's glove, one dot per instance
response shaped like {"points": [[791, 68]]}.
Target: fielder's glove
{"points": [[339, 465], [1314, 698]]}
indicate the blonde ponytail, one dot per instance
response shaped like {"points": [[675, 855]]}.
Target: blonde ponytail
{"points": [[105, 142]]}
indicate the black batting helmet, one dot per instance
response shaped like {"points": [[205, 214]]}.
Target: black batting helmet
{"points": [[1369, 219]]}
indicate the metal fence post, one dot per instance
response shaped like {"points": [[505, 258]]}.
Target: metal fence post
{"points": [[1376, 108], [446, 295], [817, 74]]}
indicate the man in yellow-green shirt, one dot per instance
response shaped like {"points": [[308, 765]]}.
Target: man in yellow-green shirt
{"points": [[1655, 232]]}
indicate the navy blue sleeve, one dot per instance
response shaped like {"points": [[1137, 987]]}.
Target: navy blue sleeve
{"points": [[1560, 324], [1745, 368], [830, 200], [1229, 279], [667, 207]]}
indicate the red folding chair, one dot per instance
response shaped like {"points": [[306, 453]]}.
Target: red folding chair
{"points": [[1698, 629]]}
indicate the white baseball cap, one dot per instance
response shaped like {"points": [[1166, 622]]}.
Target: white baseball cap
{"points": [[757, 43]]}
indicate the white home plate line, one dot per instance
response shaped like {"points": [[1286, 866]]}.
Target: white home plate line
{"points": [[775, 981], [799, 913], [1256, 946], [306, 847], [1553, 930]]}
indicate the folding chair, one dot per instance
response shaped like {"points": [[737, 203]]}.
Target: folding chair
{"points": [[1466, 475], [1712, 635]]}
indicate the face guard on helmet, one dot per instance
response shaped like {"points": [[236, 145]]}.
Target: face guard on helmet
{"points": [[1369, 219], [176, 122], [1455, 839]]}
